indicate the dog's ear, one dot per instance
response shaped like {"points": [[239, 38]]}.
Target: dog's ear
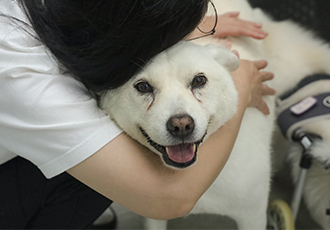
{"points": [[224, 56]]}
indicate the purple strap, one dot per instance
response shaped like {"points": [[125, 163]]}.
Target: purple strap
{"points": [[287, 118]]}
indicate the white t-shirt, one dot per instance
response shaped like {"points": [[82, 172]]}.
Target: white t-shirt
{"points": [[45, 117]]}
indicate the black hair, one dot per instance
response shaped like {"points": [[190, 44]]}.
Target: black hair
{"points": [[103, 43]]}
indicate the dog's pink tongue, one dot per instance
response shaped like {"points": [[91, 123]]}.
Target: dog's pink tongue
{"points": [[181, 153]]}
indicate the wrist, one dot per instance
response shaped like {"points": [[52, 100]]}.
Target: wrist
{"points": [[244, 95], [243, 101]]}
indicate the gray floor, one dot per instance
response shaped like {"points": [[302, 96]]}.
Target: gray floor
{"points": [[282, 188]]}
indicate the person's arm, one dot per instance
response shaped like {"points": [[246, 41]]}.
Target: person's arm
{"points": [[131, 175], [229, 24]]}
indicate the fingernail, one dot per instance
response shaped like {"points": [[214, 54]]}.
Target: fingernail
{"points": [[262, 34]]}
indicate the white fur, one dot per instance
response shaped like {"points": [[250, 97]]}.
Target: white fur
{"points": [[317, 183], [293, 53], [244, 182], [170, 73], [241, 190]]}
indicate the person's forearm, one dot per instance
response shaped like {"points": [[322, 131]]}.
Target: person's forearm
{"points": [[132, 176]]}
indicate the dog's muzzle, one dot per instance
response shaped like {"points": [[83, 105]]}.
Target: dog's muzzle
{"points": [[178, 156]]}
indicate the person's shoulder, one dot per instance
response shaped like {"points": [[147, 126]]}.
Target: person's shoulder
{"points": [[15, 30], [12, 9]]}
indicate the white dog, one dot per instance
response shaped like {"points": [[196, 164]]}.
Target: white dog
{"points": [[190, 84]]}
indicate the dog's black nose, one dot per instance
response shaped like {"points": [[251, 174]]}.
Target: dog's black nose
{"points": [[180, 126]]}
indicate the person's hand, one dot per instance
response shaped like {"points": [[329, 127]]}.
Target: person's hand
{"points": [[249, 80], [229, 24]]}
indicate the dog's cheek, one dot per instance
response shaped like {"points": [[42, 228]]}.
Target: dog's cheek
{"points": [[226, 103], [198, 94]]}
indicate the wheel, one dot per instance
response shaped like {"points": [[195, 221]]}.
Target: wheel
{"points": [[279, 216]]}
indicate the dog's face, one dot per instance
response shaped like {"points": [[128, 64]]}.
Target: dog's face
{"points": [[183, 94]]}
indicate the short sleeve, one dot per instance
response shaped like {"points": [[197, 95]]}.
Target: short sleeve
{"points": [[45, 117]]}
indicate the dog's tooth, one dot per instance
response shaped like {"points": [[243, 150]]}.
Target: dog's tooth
{"points": [[166, 149]]}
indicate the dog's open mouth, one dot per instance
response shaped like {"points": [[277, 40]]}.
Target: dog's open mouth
{"points": [[179, 156]]}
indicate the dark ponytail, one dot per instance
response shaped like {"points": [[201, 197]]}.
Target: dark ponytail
{"points": [[103, 43]]}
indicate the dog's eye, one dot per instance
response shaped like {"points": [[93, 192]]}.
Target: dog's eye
{"points": [[144, 87], [199, 81]]}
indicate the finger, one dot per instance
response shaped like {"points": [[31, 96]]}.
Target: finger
{"points": [[230, 25], [226, 43], [231, 14], [235, 52], [246, 28], [266, 76], [255, 32], [248, 24], [253, 27], [261, 64], [239, 28], [235, 14], [256, 24], [263, 107], [266, 90]]}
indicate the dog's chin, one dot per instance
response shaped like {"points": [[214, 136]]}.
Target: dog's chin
{"points": [[179, 156]]}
